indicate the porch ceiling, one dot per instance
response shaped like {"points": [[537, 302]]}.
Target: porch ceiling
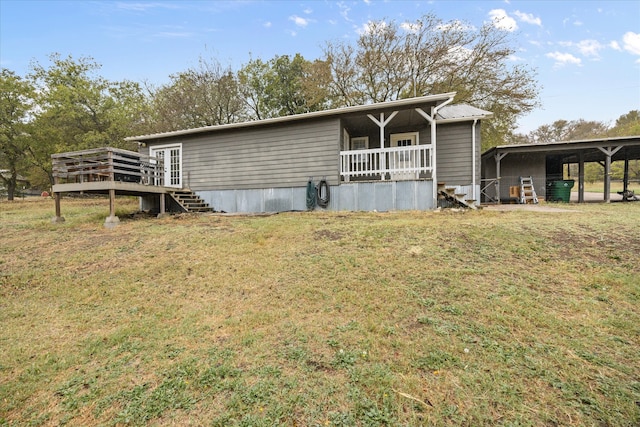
{"points": [[407, 120]]}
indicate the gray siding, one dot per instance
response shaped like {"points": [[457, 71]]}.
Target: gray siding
{"points": [[512, 167], [453, 153], [275, 156]]}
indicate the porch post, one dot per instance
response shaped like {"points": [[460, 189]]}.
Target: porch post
{"points": [[383, 159], [381, 124]]}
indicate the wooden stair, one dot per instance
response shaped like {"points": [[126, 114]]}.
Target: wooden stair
{"points": [[189, 201], [448, 198]]}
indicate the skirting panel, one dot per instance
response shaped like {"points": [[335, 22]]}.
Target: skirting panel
{"points": [[378, 196]]}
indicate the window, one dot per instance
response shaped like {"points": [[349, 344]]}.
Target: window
{"points": [[360, 143]]}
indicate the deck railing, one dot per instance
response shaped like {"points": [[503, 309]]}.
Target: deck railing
{"points": [[107, 164], [408, 162]]}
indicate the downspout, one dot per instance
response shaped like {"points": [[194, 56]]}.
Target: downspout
{"points": [[473, 159]]}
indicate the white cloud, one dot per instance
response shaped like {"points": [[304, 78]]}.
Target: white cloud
{"points": [[589, 47], [502, 21], [370, 26], [631, 42], [528, 18], [455, 25], [174, 34], [143, 7], [344, 11], [615, 45], [267, 24], [299, 21], [308, 11], [410, 27], [563, 59]]}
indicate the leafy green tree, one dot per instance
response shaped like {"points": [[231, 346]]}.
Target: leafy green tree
{"points": [[627, 124], [16, 105], [563, 130], [430, 56], [78, 109], [283, 86]]}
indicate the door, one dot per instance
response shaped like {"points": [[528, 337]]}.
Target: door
{"points": [[404, 164], [172, 159]]}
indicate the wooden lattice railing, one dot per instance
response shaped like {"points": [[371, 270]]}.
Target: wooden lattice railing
{"points": [[107, 164]]}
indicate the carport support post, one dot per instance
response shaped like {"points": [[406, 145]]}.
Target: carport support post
{"points": [[580, 177], [607, 178], [625, 178], [608, 152], [498, 157]]}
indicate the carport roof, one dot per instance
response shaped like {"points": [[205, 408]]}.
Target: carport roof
{"points": [[569, 151]]}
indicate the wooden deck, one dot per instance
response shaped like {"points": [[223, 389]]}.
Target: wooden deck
{"points": [[108, 170]]}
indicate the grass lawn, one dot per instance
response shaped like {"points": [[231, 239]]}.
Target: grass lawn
{"points": [[313, 319], [598, 187]]}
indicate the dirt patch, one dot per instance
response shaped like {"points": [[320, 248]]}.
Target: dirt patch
{"points": [[328, 235], [527, 207]]}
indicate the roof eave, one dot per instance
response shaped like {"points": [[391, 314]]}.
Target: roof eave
{"points": [[305, 116], [465, 119]]}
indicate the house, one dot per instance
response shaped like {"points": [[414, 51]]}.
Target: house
{"points": [[384, 156], [21, 183], [546, 163]]}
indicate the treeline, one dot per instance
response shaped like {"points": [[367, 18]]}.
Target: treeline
{"points": [[562, 130]]}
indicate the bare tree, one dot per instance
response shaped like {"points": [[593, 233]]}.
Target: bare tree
{"points": [[203, 96], [429, 56]]}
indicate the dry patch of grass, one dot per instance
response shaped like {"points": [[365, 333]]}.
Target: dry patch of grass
{"points": [[345, 319]]}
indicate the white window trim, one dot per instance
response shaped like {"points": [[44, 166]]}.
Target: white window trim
{"points": [[360, 138], [169, 146], [395, 137]]}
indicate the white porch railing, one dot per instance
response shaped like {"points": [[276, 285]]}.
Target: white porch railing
{"points": [[399, 163]]}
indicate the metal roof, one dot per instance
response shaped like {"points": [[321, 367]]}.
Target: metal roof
{"points": [[448, 113], [570, 150], [460, 112]]}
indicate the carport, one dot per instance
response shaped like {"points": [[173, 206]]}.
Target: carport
{"points": [[503, 165]]}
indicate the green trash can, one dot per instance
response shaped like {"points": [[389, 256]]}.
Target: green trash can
{"points": [[561, 190]]}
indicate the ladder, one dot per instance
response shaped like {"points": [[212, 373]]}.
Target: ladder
{"points": [[527, 192]]}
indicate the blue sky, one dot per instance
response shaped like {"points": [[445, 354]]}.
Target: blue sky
{"points": [[586, 53]]}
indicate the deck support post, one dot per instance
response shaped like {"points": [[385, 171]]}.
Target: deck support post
{"points": [[163, 207], [112, 220], [58, 217]]}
